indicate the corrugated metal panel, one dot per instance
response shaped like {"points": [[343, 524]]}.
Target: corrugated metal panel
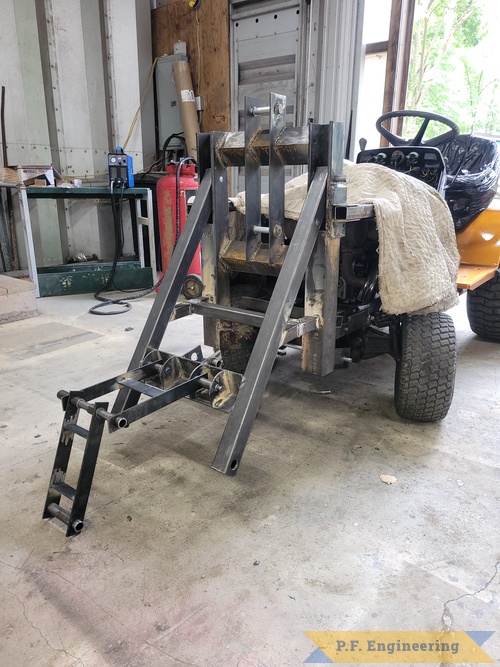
{"points": [[265, 58], [55, 103], [240, 8], [309, 51], [128, 45], [265, 53], [280, 68], [340, 30]]}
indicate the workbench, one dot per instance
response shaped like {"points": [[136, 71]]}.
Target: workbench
{"points": [[133, 195]]}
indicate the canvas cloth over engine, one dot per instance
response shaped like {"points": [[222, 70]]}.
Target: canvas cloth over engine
{"points": [[418, 256]]}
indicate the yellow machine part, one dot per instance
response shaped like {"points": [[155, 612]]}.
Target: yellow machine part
{"points": [[479, 248]]}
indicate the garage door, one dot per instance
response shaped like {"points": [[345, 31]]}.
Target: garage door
{"points": [[266, 46]]}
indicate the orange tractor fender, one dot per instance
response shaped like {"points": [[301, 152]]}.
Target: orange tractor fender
{"points": [[479, 248]]}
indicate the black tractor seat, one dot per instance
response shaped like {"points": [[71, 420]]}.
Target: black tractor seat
{"points": [[473, 166], [464, 170]]}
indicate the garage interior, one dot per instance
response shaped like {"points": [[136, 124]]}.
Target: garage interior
{"points": [[343, 516]]}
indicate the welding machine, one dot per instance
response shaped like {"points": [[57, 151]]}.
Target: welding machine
{"points": [[120, 169]]}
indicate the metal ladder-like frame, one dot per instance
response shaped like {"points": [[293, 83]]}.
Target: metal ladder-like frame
{"points": [[78, 497], [313, 253], [197, 378]]}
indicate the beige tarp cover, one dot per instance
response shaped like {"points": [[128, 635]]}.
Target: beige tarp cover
{"points": [[418, 256]]}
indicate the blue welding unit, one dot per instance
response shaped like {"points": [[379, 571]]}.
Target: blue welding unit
{"points": [[120, 169]]}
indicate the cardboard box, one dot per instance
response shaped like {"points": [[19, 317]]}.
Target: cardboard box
{"points": [[43, 175]]}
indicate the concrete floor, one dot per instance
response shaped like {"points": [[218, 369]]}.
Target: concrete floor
{"points": [[180, 565]]}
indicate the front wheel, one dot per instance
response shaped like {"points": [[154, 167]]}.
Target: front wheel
{"points": [[483, 309], [425, 370]]}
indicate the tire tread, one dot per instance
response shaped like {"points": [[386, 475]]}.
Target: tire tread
{"points": [[483, 309], [425, 374]]}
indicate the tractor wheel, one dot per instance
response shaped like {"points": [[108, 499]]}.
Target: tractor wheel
{"points": [[483, 309], [425, 371]]}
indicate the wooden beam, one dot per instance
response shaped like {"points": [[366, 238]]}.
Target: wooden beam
{"points": [[398, 59], [376, 47]]}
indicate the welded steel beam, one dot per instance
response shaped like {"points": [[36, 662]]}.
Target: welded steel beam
{"points": [[318, 348], [169, 291], [263, 356], [291, 146], [353, 212], [252, 179], [277, 114]]}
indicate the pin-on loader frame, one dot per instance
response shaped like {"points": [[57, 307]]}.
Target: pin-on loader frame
{"points": [[305, 260]]}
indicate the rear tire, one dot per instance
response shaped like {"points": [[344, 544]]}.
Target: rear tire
{"points": [[425, 372], [483, 309]]}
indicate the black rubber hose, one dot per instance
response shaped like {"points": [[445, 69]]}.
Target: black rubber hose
{"points": [[116, 211]]}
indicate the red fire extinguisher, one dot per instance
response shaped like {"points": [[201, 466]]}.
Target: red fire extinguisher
{"points": [[173, 193]]}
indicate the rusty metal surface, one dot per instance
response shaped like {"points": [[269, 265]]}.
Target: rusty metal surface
{"points": [[225, 313], [313, 307], [235, 258], [215, 387], [236, 342], [224, 389], [337, 195]]}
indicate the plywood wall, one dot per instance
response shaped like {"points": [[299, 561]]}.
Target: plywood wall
{"points": [[206, 32]]}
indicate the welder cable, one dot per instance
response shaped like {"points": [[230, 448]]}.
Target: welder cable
{"points": [[117, 223], [118, 229], [119, 247]]}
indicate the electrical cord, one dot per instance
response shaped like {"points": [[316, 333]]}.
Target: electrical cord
{"points": [[118, 232], [147, 170], [136, 117], [180, 137]]}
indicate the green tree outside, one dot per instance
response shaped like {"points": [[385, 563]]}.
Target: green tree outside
{"points": [[450, 72]]}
